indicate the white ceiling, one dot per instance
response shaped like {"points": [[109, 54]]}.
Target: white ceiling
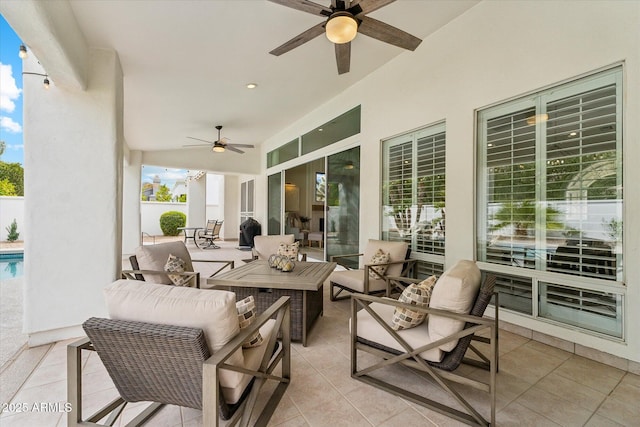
{"points": [[186, 63]]}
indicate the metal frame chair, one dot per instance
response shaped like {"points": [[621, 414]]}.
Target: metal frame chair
{"points": [[172, 365], [135, 273], [407, 270], [440, 372], [210, 234]]}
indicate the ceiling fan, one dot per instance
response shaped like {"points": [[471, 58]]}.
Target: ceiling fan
{"points": [[220, 144], [346, 18]]}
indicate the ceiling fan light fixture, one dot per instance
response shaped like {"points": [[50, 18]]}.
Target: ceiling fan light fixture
{"points": [[341, 27], [218, 148]]}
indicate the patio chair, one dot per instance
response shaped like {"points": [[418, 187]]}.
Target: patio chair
{"points": [[372, 277], [150, 264], [210, 234], [183, 346], [435, 348], [265, 246]]}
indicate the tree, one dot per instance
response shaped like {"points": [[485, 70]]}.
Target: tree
{"points": [[14, 173], [7, 188], [522, 216], [163, 194]]}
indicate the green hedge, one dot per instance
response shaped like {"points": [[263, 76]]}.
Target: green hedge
{"points": [[170, 221]]}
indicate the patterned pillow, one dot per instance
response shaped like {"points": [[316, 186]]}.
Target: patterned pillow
{"points": [[246, 315], [176, 265], [417, 294], [380, 257], [290, 251]]}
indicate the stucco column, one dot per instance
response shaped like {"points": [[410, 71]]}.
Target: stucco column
{"points": [[231, 207], [73, 197], [131, 215], [197, 202]]}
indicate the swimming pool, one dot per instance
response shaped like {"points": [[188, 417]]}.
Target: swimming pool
{"points": [[11, 265]]}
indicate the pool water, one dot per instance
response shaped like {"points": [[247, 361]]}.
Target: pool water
{"points": [[11, 265]]}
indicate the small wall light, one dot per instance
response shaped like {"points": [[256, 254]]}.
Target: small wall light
{"points": [[45, 82], [23, 52]]}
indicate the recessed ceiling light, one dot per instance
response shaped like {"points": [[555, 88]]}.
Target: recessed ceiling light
{"points": [[252, 85], [573, 134], [320, 129], [489, 145]]}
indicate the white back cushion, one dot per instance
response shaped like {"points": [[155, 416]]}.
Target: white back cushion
{"points": [[212, 311], [397, 252], [456, 290], [154, 257], [265, 246]]}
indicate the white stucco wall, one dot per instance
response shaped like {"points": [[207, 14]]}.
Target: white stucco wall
{"points": [[495, 51], [196, 203], [74, 220], [12, 208], [131, 227]]}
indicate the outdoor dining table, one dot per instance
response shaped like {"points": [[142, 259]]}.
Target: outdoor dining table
{"points": [[192, 236], [305, 286]]}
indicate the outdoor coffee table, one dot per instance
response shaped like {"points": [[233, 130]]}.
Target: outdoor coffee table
{"points": [[304, 285]]}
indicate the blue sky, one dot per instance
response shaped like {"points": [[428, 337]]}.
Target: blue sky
{"points": [[167, 176], [10, 94]]}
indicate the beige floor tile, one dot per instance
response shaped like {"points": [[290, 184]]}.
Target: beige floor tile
{"points": [[298, 421], [336, 412], [436, 418], [627, 394], [32, 419], [528, 364], [47, 374], [592, 374], [375, 404], [549, 350], [599, 421], [91, 403], [339, 375], [620, 412], [517, 415], [312, 391], [631, 379], [286, 411], [571, 390], [561, 411], [49, 393], [408, 417]]}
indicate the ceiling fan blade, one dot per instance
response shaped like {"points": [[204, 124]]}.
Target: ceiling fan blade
{"points": [[241, 145], [387, 33], [305, 6], [300, 39], [203, 140], [343, 57], [228, 147], [196, 145], [363, 7]]}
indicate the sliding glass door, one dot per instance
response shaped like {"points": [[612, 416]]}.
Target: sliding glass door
{"points": [[274, 207], [342, 222]]}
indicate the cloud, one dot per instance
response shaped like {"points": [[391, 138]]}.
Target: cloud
{"points": [[9, 90], [7, 124]]}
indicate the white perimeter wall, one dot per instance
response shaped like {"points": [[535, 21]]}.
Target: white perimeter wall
{"points": [[11, 208], [495, 51]]}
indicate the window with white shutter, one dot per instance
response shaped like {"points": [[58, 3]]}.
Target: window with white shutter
{"points": [[550, 200], [413, 196]]}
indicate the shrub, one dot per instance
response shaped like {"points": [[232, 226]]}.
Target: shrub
{"points": [[13, 231], [170, 221]]}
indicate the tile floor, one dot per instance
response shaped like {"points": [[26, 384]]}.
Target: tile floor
{"points": [[538, 385]]}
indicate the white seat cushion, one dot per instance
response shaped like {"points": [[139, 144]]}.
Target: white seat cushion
{"points": [[354, 279], [371, 330], [213, 311], [154, 257], [456, 290]]}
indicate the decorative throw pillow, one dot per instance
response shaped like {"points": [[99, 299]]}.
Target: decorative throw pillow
{"points": [[246, 315], [176, 265], [290, 251], [417, 294], [380, 257]]}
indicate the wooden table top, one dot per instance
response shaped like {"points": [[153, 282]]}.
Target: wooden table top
{"points": [[306, 276]]}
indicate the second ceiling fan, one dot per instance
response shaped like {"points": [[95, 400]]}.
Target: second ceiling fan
{"points": [[220, 144], [345, 19]]}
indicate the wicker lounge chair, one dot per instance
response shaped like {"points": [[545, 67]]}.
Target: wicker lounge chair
{"points": [[186, 366], [149, 261], [421, 349]]}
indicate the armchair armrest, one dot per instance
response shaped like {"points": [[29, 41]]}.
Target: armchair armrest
{"points": [[131, 274], [281, 309], [336, 258], [226, 263]]}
